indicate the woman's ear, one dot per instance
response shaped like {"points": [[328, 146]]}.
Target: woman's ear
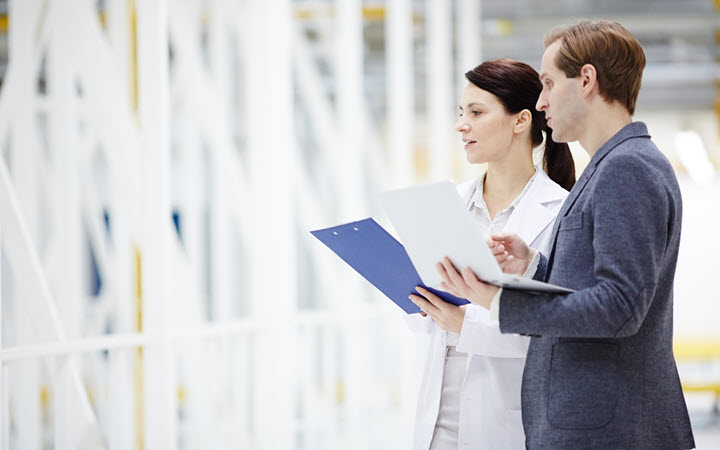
{"points": [[523, 119]]}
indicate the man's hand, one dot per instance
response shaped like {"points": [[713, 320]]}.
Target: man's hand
{"points": [[465, 285], [448, 316], [512, 253]]}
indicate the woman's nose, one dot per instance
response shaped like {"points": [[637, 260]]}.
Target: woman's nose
{"points": [[461, 126]]}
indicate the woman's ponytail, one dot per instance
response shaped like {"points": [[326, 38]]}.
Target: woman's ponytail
{"points": [[558, 162]]}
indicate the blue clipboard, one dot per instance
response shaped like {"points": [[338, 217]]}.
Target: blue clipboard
{"points": [[380, 259]]}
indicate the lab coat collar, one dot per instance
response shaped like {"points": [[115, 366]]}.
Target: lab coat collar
{"points": [[533, 212]]}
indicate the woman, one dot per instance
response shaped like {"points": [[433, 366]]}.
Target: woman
{"points": [[470, 393]]}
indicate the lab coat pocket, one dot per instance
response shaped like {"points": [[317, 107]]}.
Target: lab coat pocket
{"points": [[582, 385]]}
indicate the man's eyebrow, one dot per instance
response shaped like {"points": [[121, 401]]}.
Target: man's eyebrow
{"points": [[543, 76]]}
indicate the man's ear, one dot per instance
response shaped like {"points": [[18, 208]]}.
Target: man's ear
{"points": [[588, 78], [523, 119]]}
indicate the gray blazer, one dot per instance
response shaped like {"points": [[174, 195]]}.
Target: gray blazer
{"points": [[600, 371]]}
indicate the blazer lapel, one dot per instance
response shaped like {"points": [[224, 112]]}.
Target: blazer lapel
{"points": [[573, 196], [630, 131], [569, 202]]}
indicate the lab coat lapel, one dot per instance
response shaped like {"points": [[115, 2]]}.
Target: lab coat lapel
{"points": [[531, 216], [467, 190]]}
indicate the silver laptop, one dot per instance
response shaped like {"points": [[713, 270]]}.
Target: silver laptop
{"points": [[432, 223]]}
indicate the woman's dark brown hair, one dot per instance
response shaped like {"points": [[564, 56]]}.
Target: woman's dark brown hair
{"points": [[517, 86]]}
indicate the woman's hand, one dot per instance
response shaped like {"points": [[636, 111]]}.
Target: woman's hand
{"points": [[511, 252], [465, 285], [448, 316]]}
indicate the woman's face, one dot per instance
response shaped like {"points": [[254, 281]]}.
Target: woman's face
{"points": [[485, 126]]}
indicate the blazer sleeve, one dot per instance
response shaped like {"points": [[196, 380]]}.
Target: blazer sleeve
{"points": [[541, 270], [629, 235]]}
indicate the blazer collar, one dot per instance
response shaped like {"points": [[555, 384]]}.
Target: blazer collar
{"points": [[630, 131]]}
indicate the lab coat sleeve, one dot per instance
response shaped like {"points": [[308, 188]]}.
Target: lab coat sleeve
{"points": [[481, 335]]}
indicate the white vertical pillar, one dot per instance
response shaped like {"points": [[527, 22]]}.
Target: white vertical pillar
{"points": [[22, 40], [222, 244], [61, 78], [117, 16], [220, 52], [4, 408], [25, 376], [271, 149], [401, 120], [469, 38], [400, 90], [351, 186], [121, 434], [348, 65], [439, 87], [61, 386], [159, 377], [4, 399]]}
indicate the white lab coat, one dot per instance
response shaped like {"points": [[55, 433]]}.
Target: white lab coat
{"points": [[490, 396]]}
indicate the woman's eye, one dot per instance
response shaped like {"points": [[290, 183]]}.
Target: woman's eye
{"points": [[476, 113]]}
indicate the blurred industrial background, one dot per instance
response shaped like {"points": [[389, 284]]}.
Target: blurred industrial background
{"points": [[163, 162]]}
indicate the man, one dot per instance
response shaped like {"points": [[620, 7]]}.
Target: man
{"points": [[600, 371]]}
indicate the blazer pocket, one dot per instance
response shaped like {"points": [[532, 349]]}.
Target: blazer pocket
{"points": [[582, 385], [571, 222]]}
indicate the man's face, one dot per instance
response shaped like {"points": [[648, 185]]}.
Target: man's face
{"points": [[560, 99]]}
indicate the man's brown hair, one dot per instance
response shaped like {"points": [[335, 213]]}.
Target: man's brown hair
{"points": [[617, 56]]}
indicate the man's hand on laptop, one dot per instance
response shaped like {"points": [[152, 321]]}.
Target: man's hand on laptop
{"points": [[511, 252], [465, 284]]}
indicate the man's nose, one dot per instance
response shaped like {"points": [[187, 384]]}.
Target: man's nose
{"points": [[541, 103]]}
